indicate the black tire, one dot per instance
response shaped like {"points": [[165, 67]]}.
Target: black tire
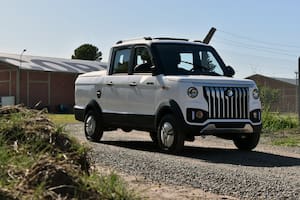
{"points": [[170, 137], [93, 128], [153, 136], [248, 142]]}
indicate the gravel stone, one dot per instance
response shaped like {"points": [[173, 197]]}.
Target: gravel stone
{"points": [[266, 173]]}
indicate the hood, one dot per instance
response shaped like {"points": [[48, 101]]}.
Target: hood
{"points": [[212, 80]]}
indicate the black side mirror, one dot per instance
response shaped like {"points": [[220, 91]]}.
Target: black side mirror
{"points": [[229, 71]]}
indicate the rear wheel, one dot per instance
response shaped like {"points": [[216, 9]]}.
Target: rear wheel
{"points": [[247, 142], [169, 136], [93, 127]]}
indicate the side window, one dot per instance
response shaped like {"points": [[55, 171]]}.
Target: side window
{"points": [[142, 60], [121, 61], [209, 62]]}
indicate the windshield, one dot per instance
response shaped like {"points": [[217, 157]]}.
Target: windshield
{"points": [[188, 59]]}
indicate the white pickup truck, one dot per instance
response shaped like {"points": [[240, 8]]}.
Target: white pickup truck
{"points": [[175, 89]]}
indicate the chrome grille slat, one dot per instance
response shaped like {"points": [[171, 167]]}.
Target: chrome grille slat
{"points": [[236, 103], [207, 90], [213, 91], [241, 102], [223, 101], [222, 106]]}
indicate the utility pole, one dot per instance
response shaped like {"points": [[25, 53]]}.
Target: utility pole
{"points": [[296, 90], [18, 78], [298, 100]]}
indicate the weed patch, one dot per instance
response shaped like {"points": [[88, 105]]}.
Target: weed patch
{"points": [[275, 122], [38, 160]]}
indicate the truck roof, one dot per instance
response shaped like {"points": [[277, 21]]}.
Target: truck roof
{"points": [[150, 40]]}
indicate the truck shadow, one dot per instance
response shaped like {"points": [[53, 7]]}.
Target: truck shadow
{"points": [[217, 155]]}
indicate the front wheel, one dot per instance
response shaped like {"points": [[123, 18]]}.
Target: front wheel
{"points": [[247, 142], [93, 128], [153, 136], [169, 136]]}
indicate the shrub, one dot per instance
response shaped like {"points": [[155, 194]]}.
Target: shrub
{"points": [[275, 121]]}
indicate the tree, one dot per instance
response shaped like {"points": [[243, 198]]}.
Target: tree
{"points": [[87, 52]]}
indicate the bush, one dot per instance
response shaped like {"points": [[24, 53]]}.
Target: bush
{"points": [[276, 122]]}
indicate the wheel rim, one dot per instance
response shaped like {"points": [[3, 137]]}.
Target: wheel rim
{"points": [[90, 126], [167, 134]]}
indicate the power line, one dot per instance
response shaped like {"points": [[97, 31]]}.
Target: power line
{"points": [[257, 41], [253, 47], [290, 61]]}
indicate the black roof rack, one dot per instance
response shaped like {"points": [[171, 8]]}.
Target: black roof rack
{"points": [[167, 38], [145, 38], [198, 41]]}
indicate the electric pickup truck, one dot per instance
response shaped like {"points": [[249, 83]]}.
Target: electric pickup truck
{"points": [[175, 89]]}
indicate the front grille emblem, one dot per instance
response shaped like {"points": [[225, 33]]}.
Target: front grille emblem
{"points": [[229, 93]]}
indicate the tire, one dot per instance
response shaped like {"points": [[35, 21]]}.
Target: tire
{"points": [[93, 127], [169, 136], [247, 143], [153, 136]]}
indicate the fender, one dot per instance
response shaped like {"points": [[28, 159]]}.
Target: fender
{"points": [[93, 105], [168, 107], [81, 112]]}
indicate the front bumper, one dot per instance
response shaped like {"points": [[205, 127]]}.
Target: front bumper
{"points": [[79, 113], [224, 128]]}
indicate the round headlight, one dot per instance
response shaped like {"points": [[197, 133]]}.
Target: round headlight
{"points": [[192, 92], [255, 93]]}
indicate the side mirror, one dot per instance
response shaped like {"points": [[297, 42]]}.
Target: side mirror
{"points": [[229, 71]]}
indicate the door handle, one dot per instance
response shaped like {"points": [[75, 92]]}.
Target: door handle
{"points": [[150, 83], [109, 83], [133, 84], [98, 93]]}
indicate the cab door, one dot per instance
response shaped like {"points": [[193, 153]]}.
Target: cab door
{"points": [[116, 88], [142, 86]]}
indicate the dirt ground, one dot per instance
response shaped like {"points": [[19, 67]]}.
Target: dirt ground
{"points": [[154, 191]]}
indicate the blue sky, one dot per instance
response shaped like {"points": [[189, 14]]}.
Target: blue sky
{"points": [[252, 36]]}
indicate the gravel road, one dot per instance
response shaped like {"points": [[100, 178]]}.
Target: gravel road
{"points": [[212, 165]]}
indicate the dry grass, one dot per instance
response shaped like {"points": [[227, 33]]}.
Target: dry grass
{"points": [[39, 161]]}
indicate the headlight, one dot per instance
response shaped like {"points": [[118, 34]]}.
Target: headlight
{"points": [[192, 92], [255, 93]]}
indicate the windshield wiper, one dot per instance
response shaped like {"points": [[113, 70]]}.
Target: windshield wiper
{"points": [[198, 67], [194, 65]]}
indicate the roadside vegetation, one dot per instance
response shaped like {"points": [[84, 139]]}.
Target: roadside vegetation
{"points": [[38, 160], [62, 119], [278, 129], [281, 129]]}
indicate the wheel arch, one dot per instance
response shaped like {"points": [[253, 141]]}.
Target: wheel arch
{"points": [[92, 105], [168, 107]]}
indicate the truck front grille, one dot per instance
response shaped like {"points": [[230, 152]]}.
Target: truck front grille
{"points": [[227, 102]]}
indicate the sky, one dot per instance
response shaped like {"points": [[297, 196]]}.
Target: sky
{"points": [[253, 36]]}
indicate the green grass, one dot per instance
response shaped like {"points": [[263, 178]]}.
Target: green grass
{"points": [[290, 141], [275, 122], [111, 186], [62, 118], [281, 129]]}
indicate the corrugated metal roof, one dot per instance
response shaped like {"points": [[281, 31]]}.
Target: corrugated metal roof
{"points": [[49, 64], [287, 80]]}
